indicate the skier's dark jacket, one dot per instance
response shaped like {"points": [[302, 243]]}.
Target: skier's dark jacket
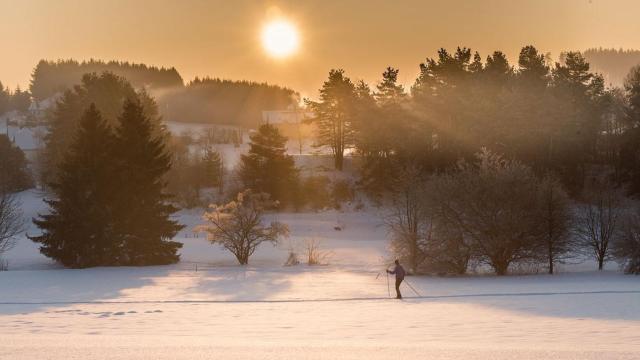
{"points": [[399, 271]]}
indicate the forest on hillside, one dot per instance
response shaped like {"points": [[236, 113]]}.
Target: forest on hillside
{"points": [[220, 101], [51, 77], [613, 64], [203, 100]]}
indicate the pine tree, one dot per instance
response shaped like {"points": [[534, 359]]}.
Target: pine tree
{"points": [[335, 114], [143, 212], [20, 100], [212, 168], [78, 232], [267, 167]]}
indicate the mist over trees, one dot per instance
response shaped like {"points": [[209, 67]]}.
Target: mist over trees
{"points": [[108, 92], [217, 101], [613, 64], [548, 116], [51, 77], [545, 132]]}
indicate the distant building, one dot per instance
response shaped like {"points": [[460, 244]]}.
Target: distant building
{"points": [[285, 116]]}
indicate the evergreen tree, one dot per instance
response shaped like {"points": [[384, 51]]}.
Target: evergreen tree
{"points": [[108, 92], [14, 173], [335, 114], [143, 213], [532, 68], [20, 100], [267, 167], [630, 149], [212, 168], [4, 99], [78, 232]]}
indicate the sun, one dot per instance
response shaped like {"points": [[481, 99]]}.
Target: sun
{"points": [[280, 38]]}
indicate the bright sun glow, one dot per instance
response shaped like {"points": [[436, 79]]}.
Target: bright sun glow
{"points": [[280, 38]]}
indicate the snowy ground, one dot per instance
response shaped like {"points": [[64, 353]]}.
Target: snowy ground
{"points": [[338, 311]]}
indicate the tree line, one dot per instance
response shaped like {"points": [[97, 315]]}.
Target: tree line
{"points": [[203, 100], [614, 64], [17, 100], [52, 77], [547, 132], [218, 101], [556, 118]]}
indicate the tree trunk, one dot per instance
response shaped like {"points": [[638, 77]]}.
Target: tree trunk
{"points": [[338, 161], [501, 268], [600, 263]]}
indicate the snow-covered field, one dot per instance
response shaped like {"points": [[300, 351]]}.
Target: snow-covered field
{"points": [[338, 311]]}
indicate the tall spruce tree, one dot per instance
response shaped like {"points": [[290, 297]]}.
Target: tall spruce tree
{"points": [[78, 232], [267, 167], [143, 211]]}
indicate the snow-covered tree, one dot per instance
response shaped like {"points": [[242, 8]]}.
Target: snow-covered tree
{"points": [[238, 226]]}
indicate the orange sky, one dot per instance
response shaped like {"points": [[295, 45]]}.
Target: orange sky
{"points": [[221, 38]]}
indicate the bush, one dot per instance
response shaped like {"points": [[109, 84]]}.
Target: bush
{"points": [[315, 255]]}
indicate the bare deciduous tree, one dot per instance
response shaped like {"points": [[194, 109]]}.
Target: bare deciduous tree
{"points": [[554, 219], [408, 222], [238, 225], [598, 220], [493, 206], [11, 221]]}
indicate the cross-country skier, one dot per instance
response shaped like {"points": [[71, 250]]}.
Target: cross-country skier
{"points": [[399, 271]]}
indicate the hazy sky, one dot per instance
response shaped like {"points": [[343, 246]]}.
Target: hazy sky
{"points": [[222, 38]]}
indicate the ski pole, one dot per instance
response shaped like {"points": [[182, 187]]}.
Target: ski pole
{"points": [[414, 290], [388, 290]]}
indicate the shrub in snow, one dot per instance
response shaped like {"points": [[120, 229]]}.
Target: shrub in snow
{"points": [[292, 259], [238, 225], [315, 255]]}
